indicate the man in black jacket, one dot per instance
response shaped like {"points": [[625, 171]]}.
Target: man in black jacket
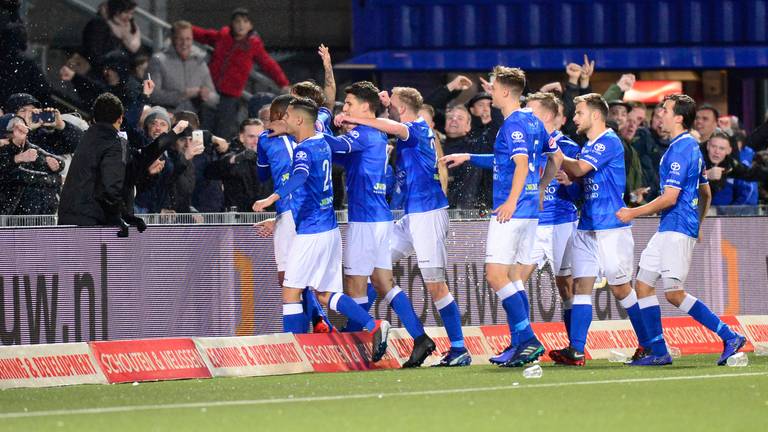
{"points": [[100, 184], [92, 194]]}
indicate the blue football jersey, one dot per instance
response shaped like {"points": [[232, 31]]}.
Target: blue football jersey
{"points": [[323, 122], [521, 134], [604, 185], [558, 206], [366, 170], [312, 202], [682, 167], [276, 153], [417, 167]]}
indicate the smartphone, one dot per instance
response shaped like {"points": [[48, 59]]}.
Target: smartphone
{"points": [[197, 137], [44, 117]]}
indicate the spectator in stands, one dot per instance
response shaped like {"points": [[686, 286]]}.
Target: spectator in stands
{"points": [[29, 176], [616, 91], [57, 137], [18, 72], [181, 184], [465, 180], [113, 30], [442, 97], [577, 85], [706, 121], [238, 170], [181, 76], [618, 119], [728, 190], [484, 127], [151, 186], [117, 79], [749, 192], [650, 145], [236, 47]]}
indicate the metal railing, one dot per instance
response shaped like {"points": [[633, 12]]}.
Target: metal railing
{"points": [[233, 218]]}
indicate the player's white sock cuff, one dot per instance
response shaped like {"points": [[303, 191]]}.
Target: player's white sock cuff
{"points": [[360, 300], [292, 309], [647, 302], [519, 285], [508, 291], [582, 299], [687, 303], [333, 303], [443, 302], [629, 301], [392, 293]]}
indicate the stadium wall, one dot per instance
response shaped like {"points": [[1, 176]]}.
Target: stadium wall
{"points": [[84, 284]]}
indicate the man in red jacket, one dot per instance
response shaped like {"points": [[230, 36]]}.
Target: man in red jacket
{"points": [[236, 47]]}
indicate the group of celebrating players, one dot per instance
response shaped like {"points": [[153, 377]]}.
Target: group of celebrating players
{"points": [[538, 177]]}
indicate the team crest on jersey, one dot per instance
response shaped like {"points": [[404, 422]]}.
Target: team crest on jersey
{"points": [[599, 147], [517, 136], [301, 155], [355, 134], [675, 166]]}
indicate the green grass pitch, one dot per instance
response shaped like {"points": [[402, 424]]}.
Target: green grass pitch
{"points": [[691, 395]]}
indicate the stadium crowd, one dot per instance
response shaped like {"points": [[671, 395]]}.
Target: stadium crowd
{"points": [[210, 164]]}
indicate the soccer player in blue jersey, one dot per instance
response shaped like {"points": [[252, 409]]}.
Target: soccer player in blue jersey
{"points": [[521, 141], [602, 241], [683, 205], [275, 159], [363, 153], [559, 216], [424, 227], [315, 256]]}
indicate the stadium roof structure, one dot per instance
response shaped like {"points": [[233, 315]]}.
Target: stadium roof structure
{"points": [[420, 35]]}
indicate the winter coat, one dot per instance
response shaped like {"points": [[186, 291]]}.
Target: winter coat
{"points": [[173, 76], [29, 188], [232, 60], [241, 180], [93, 191]]}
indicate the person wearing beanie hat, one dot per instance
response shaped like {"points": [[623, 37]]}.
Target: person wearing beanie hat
{"points": [[157, 122]]}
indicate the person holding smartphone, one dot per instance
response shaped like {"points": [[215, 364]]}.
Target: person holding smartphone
{"points": [[47, 128]]}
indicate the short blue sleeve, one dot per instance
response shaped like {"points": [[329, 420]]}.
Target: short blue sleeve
{"points": [[599, 155], [675, 170]]}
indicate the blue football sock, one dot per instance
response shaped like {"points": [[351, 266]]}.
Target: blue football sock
{"points": [[629, 303], [352, 326], [651, 313], [701, 313], [344, 305], [581, 319], [403, 308], [514, 306], [294, 319], [371, 293], [449, 313]]}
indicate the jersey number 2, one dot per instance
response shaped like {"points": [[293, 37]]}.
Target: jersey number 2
{"points": [[327, 172]]}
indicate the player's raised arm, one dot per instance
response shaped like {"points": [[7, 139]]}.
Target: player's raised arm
{"points": [[329, 87]]}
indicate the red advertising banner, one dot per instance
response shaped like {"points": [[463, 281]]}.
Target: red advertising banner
{"points": [[340, 352], [755, 328], [149, 360], [693, 338]]}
